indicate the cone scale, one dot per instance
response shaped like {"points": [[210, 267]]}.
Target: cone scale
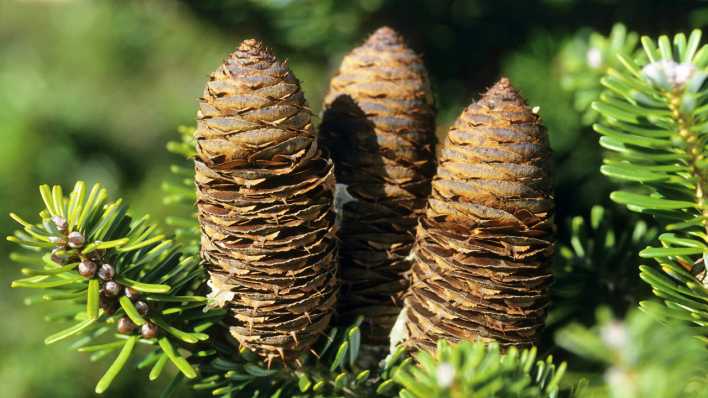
{"points": [[378, 123], [483, 247], [265, 205]]}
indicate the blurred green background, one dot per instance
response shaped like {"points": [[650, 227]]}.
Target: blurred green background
{"points": [[93, 90]]}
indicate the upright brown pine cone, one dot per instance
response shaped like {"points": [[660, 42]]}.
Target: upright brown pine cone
{"points": [[484, 246], [265, 200], [379, 124]]}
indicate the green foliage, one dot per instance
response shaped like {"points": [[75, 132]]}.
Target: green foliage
{"points": [[86, 226], [332, 369], [586, 58], [639, 357], [654, 116], [479, 370], [597, 265]]}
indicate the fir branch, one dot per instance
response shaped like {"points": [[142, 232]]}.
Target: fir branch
{"points": [[331, 369], [654, 124], [112, 270], [479, 370]]}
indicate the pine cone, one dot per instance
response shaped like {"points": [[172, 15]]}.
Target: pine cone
{"points": [[484, 245], [265, 201], [379, 124]]}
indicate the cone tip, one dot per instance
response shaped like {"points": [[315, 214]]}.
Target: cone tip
{"points": [[385, 35], [502, 87], [502, 84], [254, 46]]}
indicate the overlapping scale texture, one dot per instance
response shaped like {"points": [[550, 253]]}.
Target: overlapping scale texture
{"points": [[379, 125], [265, 202], [484, 245]]}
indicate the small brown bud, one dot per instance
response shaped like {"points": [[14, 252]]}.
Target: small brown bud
{"points": [[57, 257], [76, 239], [60, 223], [87, 269], [108, 305], [142, 307], [132, 293], [149, 330], [106, 272], [125, 325], [111, 289]]}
